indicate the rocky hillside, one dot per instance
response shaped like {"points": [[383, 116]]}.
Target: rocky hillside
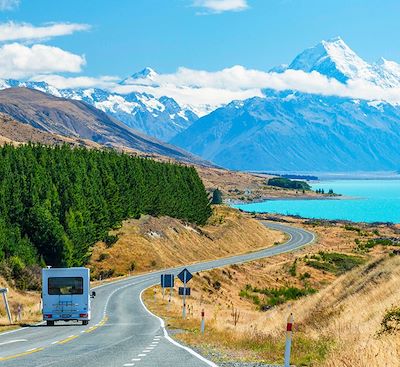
{"points": [[161, 117], [77, 119]]}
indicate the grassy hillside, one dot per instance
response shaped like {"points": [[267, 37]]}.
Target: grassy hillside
{"points": [[339, 289], [152, 243]]}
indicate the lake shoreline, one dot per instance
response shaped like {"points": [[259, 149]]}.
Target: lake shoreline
{"points": [[365, 201], [287, 198]]}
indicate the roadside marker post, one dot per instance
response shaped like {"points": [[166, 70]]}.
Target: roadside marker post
{"points": [[19, 312], [185, 276], [202, 325], [4, 291], [288, 345]]}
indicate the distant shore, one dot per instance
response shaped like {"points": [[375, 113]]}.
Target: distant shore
{"points": [[300, 197]]}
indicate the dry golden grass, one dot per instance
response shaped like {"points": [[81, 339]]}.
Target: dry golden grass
{"points": [[336, 327], [30, 302], [246, 186], [155, 243]]}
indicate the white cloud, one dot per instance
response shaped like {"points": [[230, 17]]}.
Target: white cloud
{"points": [[20, 61], [202, 100], [205, 91], [12, 31], [219, 6], [61, 82], [194, 87], [8, 4]]}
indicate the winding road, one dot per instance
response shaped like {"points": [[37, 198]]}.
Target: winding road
{"points": [[122, 331]]}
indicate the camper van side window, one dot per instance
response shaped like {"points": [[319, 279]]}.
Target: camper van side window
{"points": [[65, 285]]}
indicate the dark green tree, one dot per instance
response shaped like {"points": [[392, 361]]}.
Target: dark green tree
{"points": [[217, 197]]}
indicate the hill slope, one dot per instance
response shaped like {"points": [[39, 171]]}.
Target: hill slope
{"points": [[159, 117], [77, 119], [297, 131]]}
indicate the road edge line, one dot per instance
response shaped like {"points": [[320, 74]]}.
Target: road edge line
{"points": [[172, 341]]}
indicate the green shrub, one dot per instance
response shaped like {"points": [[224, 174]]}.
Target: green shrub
{"points": [[288, 184], [305, 276], [292, 269], [391, 321], [273, 296], [110, 239], [333, 262], [103, 256], [132, 266]]}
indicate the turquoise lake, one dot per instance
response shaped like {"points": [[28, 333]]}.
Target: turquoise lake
{"points": [[369, 201]]}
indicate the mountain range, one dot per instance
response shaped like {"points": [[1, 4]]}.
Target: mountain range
{"points": [[161, 118], [292, 130], [287, 130], [79, 121]]}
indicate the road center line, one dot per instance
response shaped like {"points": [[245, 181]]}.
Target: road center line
{"points": [[14, 341]]}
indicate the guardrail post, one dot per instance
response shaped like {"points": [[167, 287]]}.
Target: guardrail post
{"points": [[202, 325], [288, 345], [7, 307]]}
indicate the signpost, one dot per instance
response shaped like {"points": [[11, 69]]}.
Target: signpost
{"points": [[167, 281], [184, 291], [185, 276], [4, 291]]}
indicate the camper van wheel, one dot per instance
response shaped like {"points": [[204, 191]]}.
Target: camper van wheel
{"points": [[50, 323], [85, 322]]}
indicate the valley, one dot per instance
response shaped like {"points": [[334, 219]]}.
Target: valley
{"points": [[136, 174]]}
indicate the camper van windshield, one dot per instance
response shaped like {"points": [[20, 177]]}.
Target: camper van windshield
{"points": [[65, 285]]}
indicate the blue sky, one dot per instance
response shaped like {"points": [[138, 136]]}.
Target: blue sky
{"points": [[126, 35], [206, 52]]}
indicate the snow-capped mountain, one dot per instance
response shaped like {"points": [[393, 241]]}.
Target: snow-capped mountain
{"points": [[298, 131], [161, 117], [292, 130], [335, 59], [147, 76]]}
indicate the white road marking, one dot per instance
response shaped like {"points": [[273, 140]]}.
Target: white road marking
{"points": [[57, 341], [14, 341], [30, 350], [136, 359], [141, 355], [129, 364], [162, 323], [150, 348]]}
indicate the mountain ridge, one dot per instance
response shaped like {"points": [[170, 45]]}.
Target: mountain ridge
{"points": [[297, 131], [77, 119], [158, 117]]}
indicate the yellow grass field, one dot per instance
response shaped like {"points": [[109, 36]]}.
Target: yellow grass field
{"points": [[337, 326], [156, 243]]}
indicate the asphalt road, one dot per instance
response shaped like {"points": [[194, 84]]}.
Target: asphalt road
{"points": [[122, 332]]}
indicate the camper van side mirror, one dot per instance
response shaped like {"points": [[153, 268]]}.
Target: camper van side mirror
{"points": [[93, 294]]}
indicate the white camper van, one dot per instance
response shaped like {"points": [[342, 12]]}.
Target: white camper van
{"points": [[66, 294]]}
